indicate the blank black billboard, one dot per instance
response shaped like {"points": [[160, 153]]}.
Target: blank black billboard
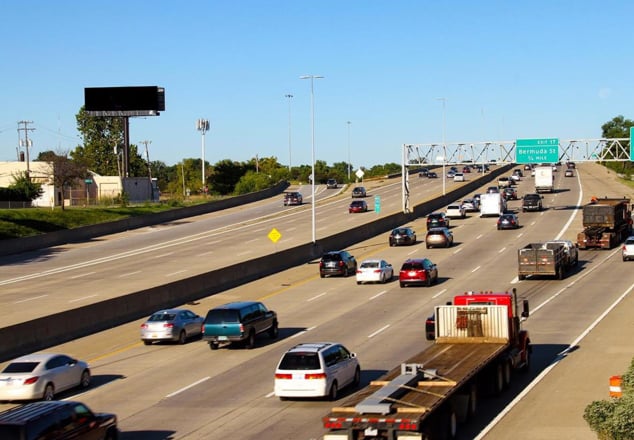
{"points": [[124, 99]]}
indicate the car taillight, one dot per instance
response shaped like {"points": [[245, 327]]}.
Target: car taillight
{"points": [[168, 325], [377, 270], [321, 264], [144, 325], [283, 376], [241, 328], [31, 380], [341, 263], [315, 376]]}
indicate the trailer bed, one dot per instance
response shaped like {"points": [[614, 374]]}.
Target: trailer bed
{"points": [[454, 363]]}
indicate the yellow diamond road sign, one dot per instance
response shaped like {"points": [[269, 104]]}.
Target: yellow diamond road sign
{"points": [[274, 235]]}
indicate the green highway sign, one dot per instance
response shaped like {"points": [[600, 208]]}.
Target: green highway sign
{"points": [[537, 150]]}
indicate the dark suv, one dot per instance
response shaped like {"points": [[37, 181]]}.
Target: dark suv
{"points": [[337, 263], [437, 219], [532, 202], [239, 321], [293, 198], [57, 420]]}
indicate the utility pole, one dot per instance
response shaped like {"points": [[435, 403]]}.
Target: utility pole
{"points": [[27, 143], [149, 168]]}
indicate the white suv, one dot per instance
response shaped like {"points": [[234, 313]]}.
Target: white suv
{"points": [[316, 369]]}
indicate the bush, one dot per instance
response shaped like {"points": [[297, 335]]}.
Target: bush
{"points": [[614, 419]]}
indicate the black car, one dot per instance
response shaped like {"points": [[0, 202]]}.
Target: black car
{"points": [[508, 221], [57, 419], [532, 202], [337, 263], [437, 219], [400, 236], [359, 191], [509, 193], [432, 175], [293, 198]]}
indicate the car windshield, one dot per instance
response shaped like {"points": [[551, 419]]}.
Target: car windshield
{"points": [[300, 361], [629, 241], [158, 317], [221, 316], [357, 203], [369, 265], [412, 266], [20, 367], [331, 257], [436, 232], [399, 232]]}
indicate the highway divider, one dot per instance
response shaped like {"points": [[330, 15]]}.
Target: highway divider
{"points": [[40, 333]]}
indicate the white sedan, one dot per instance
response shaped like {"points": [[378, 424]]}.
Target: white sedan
{"points": [[373, 271], [42, 376]]}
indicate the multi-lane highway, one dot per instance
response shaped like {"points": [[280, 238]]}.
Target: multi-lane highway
{"points": [[191, 392]]}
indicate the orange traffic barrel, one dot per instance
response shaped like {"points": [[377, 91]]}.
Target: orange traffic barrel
{"points": [[615, 386]]}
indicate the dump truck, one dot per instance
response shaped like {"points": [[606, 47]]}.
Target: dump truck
{"points": [[550, 258], [478, 343], [606, 222]]}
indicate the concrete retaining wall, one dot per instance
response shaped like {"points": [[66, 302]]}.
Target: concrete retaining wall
{"points": [[62, 327]]}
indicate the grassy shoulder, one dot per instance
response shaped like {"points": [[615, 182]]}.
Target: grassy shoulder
{"points": [[17, 223]]}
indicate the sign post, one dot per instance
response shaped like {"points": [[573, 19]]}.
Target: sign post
{"points": [[537, 150]]}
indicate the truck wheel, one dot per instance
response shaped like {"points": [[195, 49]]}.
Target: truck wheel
{"points": [[507, 374], [472, 407], [213, 345], [334, 391], [250, 342], [498, 380], [560, 273], [521, 277], [402, 284]]}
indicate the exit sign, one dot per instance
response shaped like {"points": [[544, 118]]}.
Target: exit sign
{"points": [[537, 150]]}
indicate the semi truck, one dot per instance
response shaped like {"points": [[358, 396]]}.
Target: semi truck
{"points": [[606, 222], [544, 179], [550, 258], [492, 204], [478, 342]]}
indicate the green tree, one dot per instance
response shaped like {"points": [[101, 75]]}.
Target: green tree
{"points": [[25, 186], [226, 174], [66, 172], [252, 182], [101, 134], [618, 127]]}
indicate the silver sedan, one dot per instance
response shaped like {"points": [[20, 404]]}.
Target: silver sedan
{"points": [[41, 376], [174, 325], [374, 271]]}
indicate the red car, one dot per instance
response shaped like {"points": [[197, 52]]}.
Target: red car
{"points": [[418, 271], [358, 206]]}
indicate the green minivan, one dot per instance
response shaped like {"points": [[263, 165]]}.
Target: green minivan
{"points": [[238, 322]]}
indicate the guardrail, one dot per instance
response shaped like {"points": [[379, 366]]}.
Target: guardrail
{"points": [[40, 333]]}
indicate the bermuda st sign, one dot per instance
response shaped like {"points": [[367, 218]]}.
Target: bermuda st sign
{"points": [[537, 150]]}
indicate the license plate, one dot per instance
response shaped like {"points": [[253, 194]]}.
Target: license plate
{"points": [[222, 338], [153, 335], [371, 431]]}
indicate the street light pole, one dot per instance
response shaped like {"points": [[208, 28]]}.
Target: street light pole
{"points": [[312, 156], [444, 146], [348, 150], [202, 125], [289, 96]]}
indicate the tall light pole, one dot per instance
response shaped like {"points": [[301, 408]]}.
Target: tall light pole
{"points": [[312, 155], [348, 122], [444, 146], [289, 96], [202, 125]]}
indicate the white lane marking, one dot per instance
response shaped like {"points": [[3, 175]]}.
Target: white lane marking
{"points": [[82, 275], [560, 356], [203, 254], [252, 240], [82, 298], [515, 280], [411, 252], [520, 235], [29, 299], [198, 382], [533, 223], [475, 269], [439, 293], [317, 296], [457, 250], [302, 332], [162, 255], [383, 292], [478, 237], [244, 253], [502, 250], [129, 274], [378, 331], [175, 273]]}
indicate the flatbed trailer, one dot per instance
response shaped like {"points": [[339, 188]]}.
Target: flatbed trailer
{"points": [[476, 348]]}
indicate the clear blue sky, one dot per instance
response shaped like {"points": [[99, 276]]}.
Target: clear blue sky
{"points": [[507, 70]]}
